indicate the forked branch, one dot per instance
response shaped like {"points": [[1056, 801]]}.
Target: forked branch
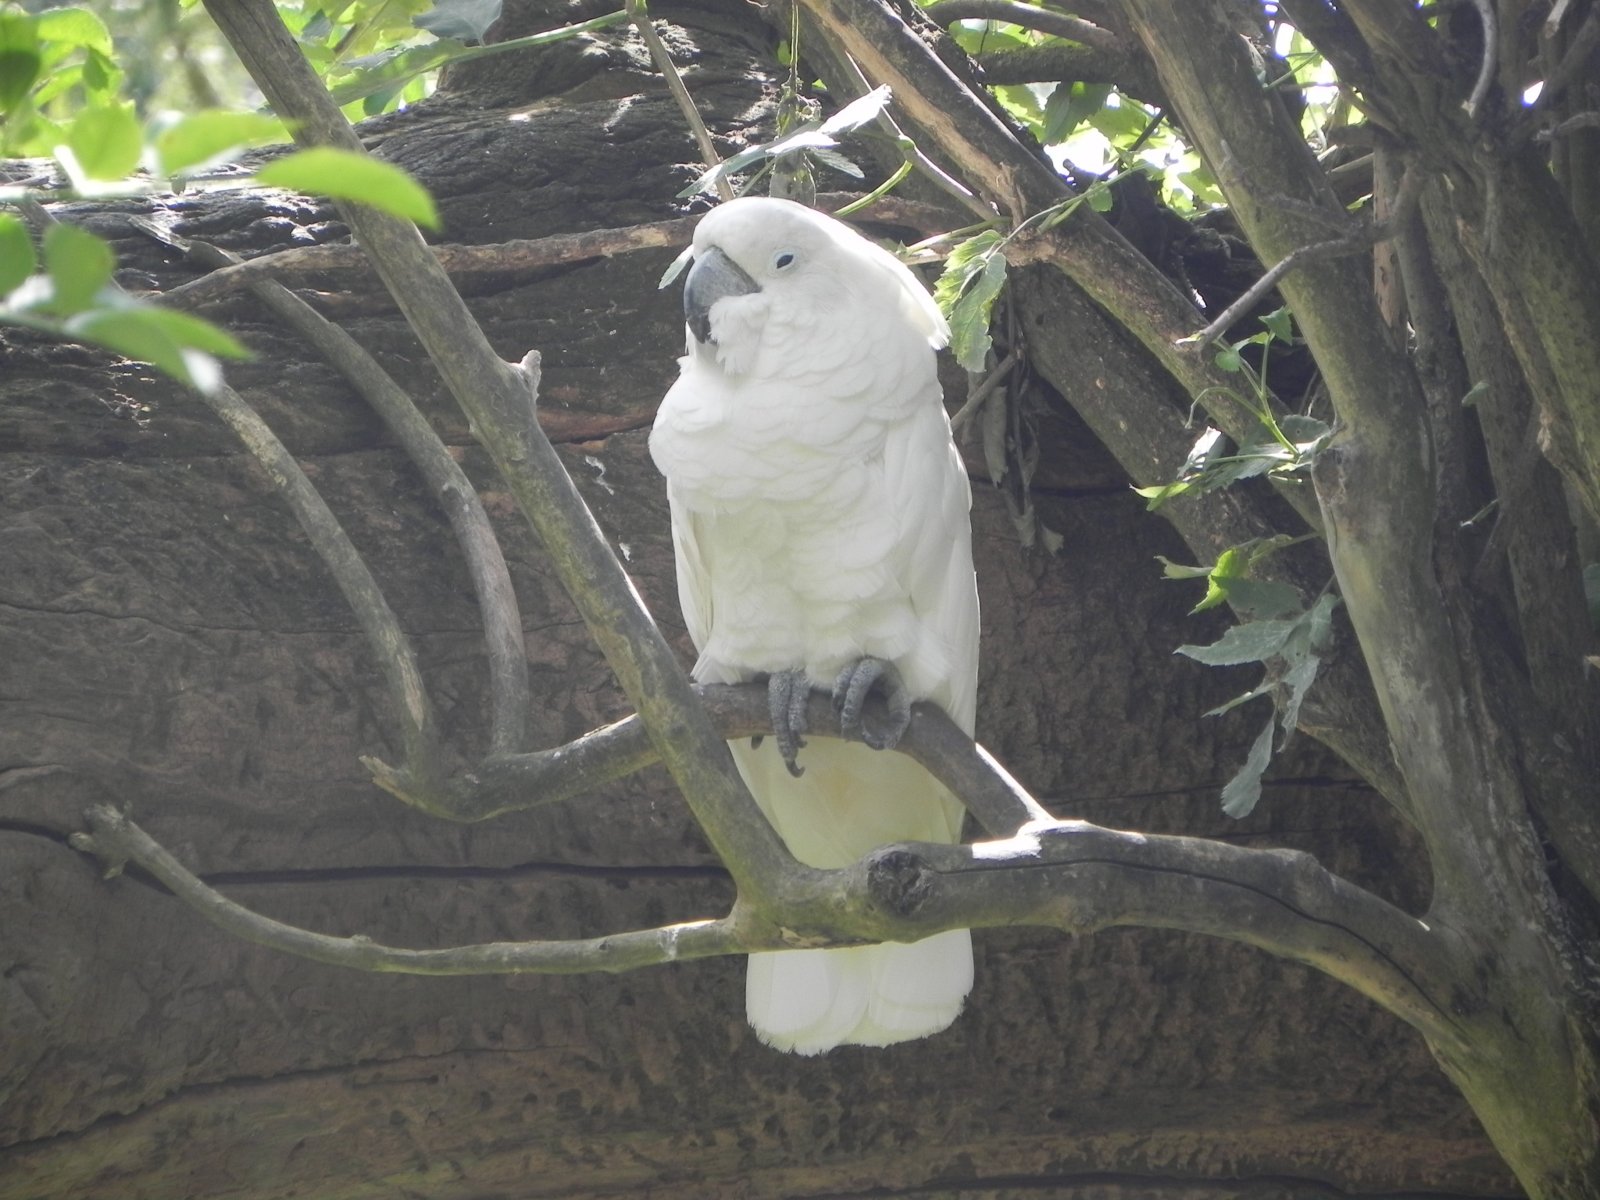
{"points": [[1067, 875]]}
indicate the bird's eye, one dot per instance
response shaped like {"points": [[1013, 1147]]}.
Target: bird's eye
{"points": [[782, 259]]}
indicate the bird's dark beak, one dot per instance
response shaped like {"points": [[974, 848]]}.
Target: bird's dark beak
{"points": [[713, 277]]}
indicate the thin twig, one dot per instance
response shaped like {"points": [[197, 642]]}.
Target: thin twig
{"points": [[1491, 53], [521, 254], [640, 16], [117, 841], [517, 782], [1029, 16], [984, 390], [1405, 201], [941, 178]]}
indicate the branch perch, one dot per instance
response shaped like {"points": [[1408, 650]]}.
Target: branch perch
{"points": [[515, 782], [1068, 875]]}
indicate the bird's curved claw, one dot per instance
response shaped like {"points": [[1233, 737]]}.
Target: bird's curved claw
{"points": [[787, 694], [850, 692]]}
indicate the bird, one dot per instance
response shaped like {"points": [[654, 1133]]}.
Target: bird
{"points": [[821, 529]]}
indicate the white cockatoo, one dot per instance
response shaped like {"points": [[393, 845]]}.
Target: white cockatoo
{"points": [[820, 521]]}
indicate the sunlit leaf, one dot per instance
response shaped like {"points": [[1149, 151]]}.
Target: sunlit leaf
{"points": [[77, 27], [969, 319], [397, 68], [1231, 565], [192, 332], [79, 264], [859, 111], [106, 141], [138, 333], [17, 259], [206, 135], [675, 267], [1172, 570], [1069, 105], [345, 175], [832, 158]]}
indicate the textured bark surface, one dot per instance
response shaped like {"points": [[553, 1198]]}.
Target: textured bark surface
{"points": [[168, 642]]}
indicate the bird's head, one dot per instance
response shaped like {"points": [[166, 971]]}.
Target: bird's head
{"points": [[748, 254], [766, 270]]}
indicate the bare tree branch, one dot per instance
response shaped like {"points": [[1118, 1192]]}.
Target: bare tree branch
{"points": [[1405, 204], [520, 254], [1029, 16], [640, 19], [491, 580], [495, 397], [514, 782], [1068, 875]]}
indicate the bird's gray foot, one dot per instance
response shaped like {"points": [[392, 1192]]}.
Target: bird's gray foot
{"points": [[787, 694], [850, 692]]}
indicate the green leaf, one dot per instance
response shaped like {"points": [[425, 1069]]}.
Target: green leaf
{"points": [[961, 265], [675, 267], [465, 20], [832, 158], [21, 58], [1228, 359], [202, 136], [1280, 324], [106, 142], [1262, 599], [140, 333], [191, 332], [1319, 623], [17, 259], [1069, 105], [1298, 680], [1261, 689], [345, 175], [1302, 430], [969, 322], [79, 263], [396, 68], [1252, 641], [77, 27], [1022, 104], [1159, 494], [1231, 564], [1243, 791], [1172, 570]]}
